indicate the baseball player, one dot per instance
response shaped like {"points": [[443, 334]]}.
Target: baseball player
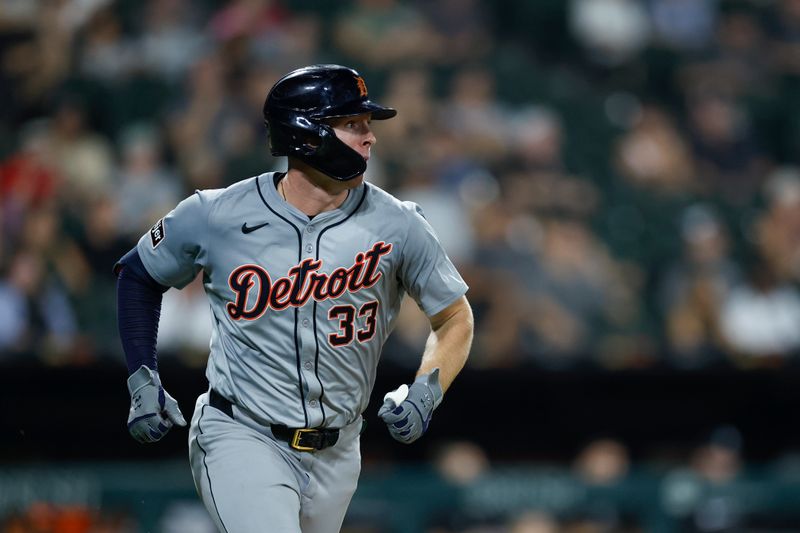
{"points": [[304, 272]]}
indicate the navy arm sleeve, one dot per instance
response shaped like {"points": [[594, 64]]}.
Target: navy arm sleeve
{"points": [[138, 311]]}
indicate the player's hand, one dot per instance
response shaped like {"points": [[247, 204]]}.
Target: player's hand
{"points": [[153, 410], [407, 416]]}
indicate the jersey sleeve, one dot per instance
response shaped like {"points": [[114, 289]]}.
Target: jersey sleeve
{"points": [[174, 250], [426, 271]]}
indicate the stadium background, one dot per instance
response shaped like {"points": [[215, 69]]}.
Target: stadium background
{"points": [[618, 180]]}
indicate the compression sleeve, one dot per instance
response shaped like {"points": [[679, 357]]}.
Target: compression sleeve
{"points": [[138, 311]]}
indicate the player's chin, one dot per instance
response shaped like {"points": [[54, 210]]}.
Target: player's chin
{"points": [[358, 180]]}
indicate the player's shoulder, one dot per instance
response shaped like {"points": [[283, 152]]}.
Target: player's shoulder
{"points": [[388, 203], [236, 194], [235, 191]]}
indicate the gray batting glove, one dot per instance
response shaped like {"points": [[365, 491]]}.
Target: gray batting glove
{"points": [[153, 410], [408, 418]]}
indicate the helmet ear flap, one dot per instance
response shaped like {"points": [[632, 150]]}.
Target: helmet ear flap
{"points": [[317, 145], [306, 135], [306, 141], [324, 151], [308, 147], [293, 135], [315, 138]]}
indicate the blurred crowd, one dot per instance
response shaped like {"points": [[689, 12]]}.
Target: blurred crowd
{"points": [[618, 180], [708, 488]]}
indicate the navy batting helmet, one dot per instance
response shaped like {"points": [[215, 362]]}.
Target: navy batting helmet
{"points": [[295, 113]]}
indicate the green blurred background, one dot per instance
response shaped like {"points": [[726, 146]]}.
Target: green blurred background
{"points": [[617, 180]]}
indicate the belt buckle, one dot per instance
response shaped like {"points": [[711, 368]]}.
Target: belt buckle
{"points": [[295, 444]]}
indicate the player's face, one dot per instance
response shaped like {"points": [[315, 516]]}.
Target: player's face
{"points": [[355, 132]]}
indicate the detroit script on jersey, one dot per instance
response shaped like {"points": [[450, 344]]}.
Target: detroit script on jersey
{"points": [[302, 283]]}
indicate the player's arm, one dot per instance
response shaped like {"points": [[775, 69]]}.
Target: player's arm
{"points": [[138, 311], [169, 255], [407, 411], [449, 343], [433, 281], [153, 411]]}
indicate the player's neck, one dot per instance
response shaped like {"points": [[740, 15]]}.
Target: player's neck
{"points": [[313, 193]]}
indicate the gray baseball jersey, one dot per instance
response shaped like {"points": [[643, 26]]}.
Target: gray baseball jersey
{"points": [[301, 308]]}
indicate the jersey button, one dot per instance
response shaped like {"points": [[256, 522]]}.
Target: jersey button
{"points": [[313, 403], [308, 365], [306, 322], [309, 248], [310, 229]]}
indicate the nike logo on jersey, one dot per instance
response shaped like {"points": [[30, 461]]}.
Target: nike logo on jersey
{"points": [[249, 229]]}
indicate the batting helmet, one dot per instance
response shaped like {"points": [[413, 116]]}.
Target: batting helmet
{"points": [[295, 113]]}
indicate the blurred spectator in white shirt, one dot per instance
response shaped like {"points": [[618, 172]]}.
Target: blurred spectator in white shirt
{"points": [[761, 318]]}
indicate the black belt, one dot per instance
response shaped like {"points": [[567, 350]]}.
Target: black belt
{"points": [[302, 439]]}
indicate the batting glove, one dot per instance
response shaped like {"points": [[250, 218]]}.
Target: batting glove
{"points": [[407, 418], [153, 410]]}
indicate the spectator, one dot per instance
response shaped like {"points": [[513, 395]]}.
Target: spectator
{"points": [[106, 54], [443, 210], [729, 161], [83, 156], [474, 116], [100, 241], [35, 311], [146, 188], [199, 124], [694, 288], [383, 33], [696, 496], [29, 179], [684, 25], [534, 173], [409, 89], [493, 291], [736, 64], [267, 32], [461, 463], [603, 465], [41, 61], [785, 37], [602, 462], [759, 318], [655, 156], [777, 230], [171, 39], [463, 26], [537, 139], [242, 140], [612, 31], [534, 522], [248, 18], [576, 290]]}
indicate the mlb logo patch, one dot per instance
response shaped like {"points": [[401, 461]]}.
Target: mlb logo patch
{"points": [[157, 233]]}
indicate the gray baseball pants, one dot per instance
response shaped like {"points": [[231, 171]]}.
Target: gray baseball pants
{"points": [[251, 482]]}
